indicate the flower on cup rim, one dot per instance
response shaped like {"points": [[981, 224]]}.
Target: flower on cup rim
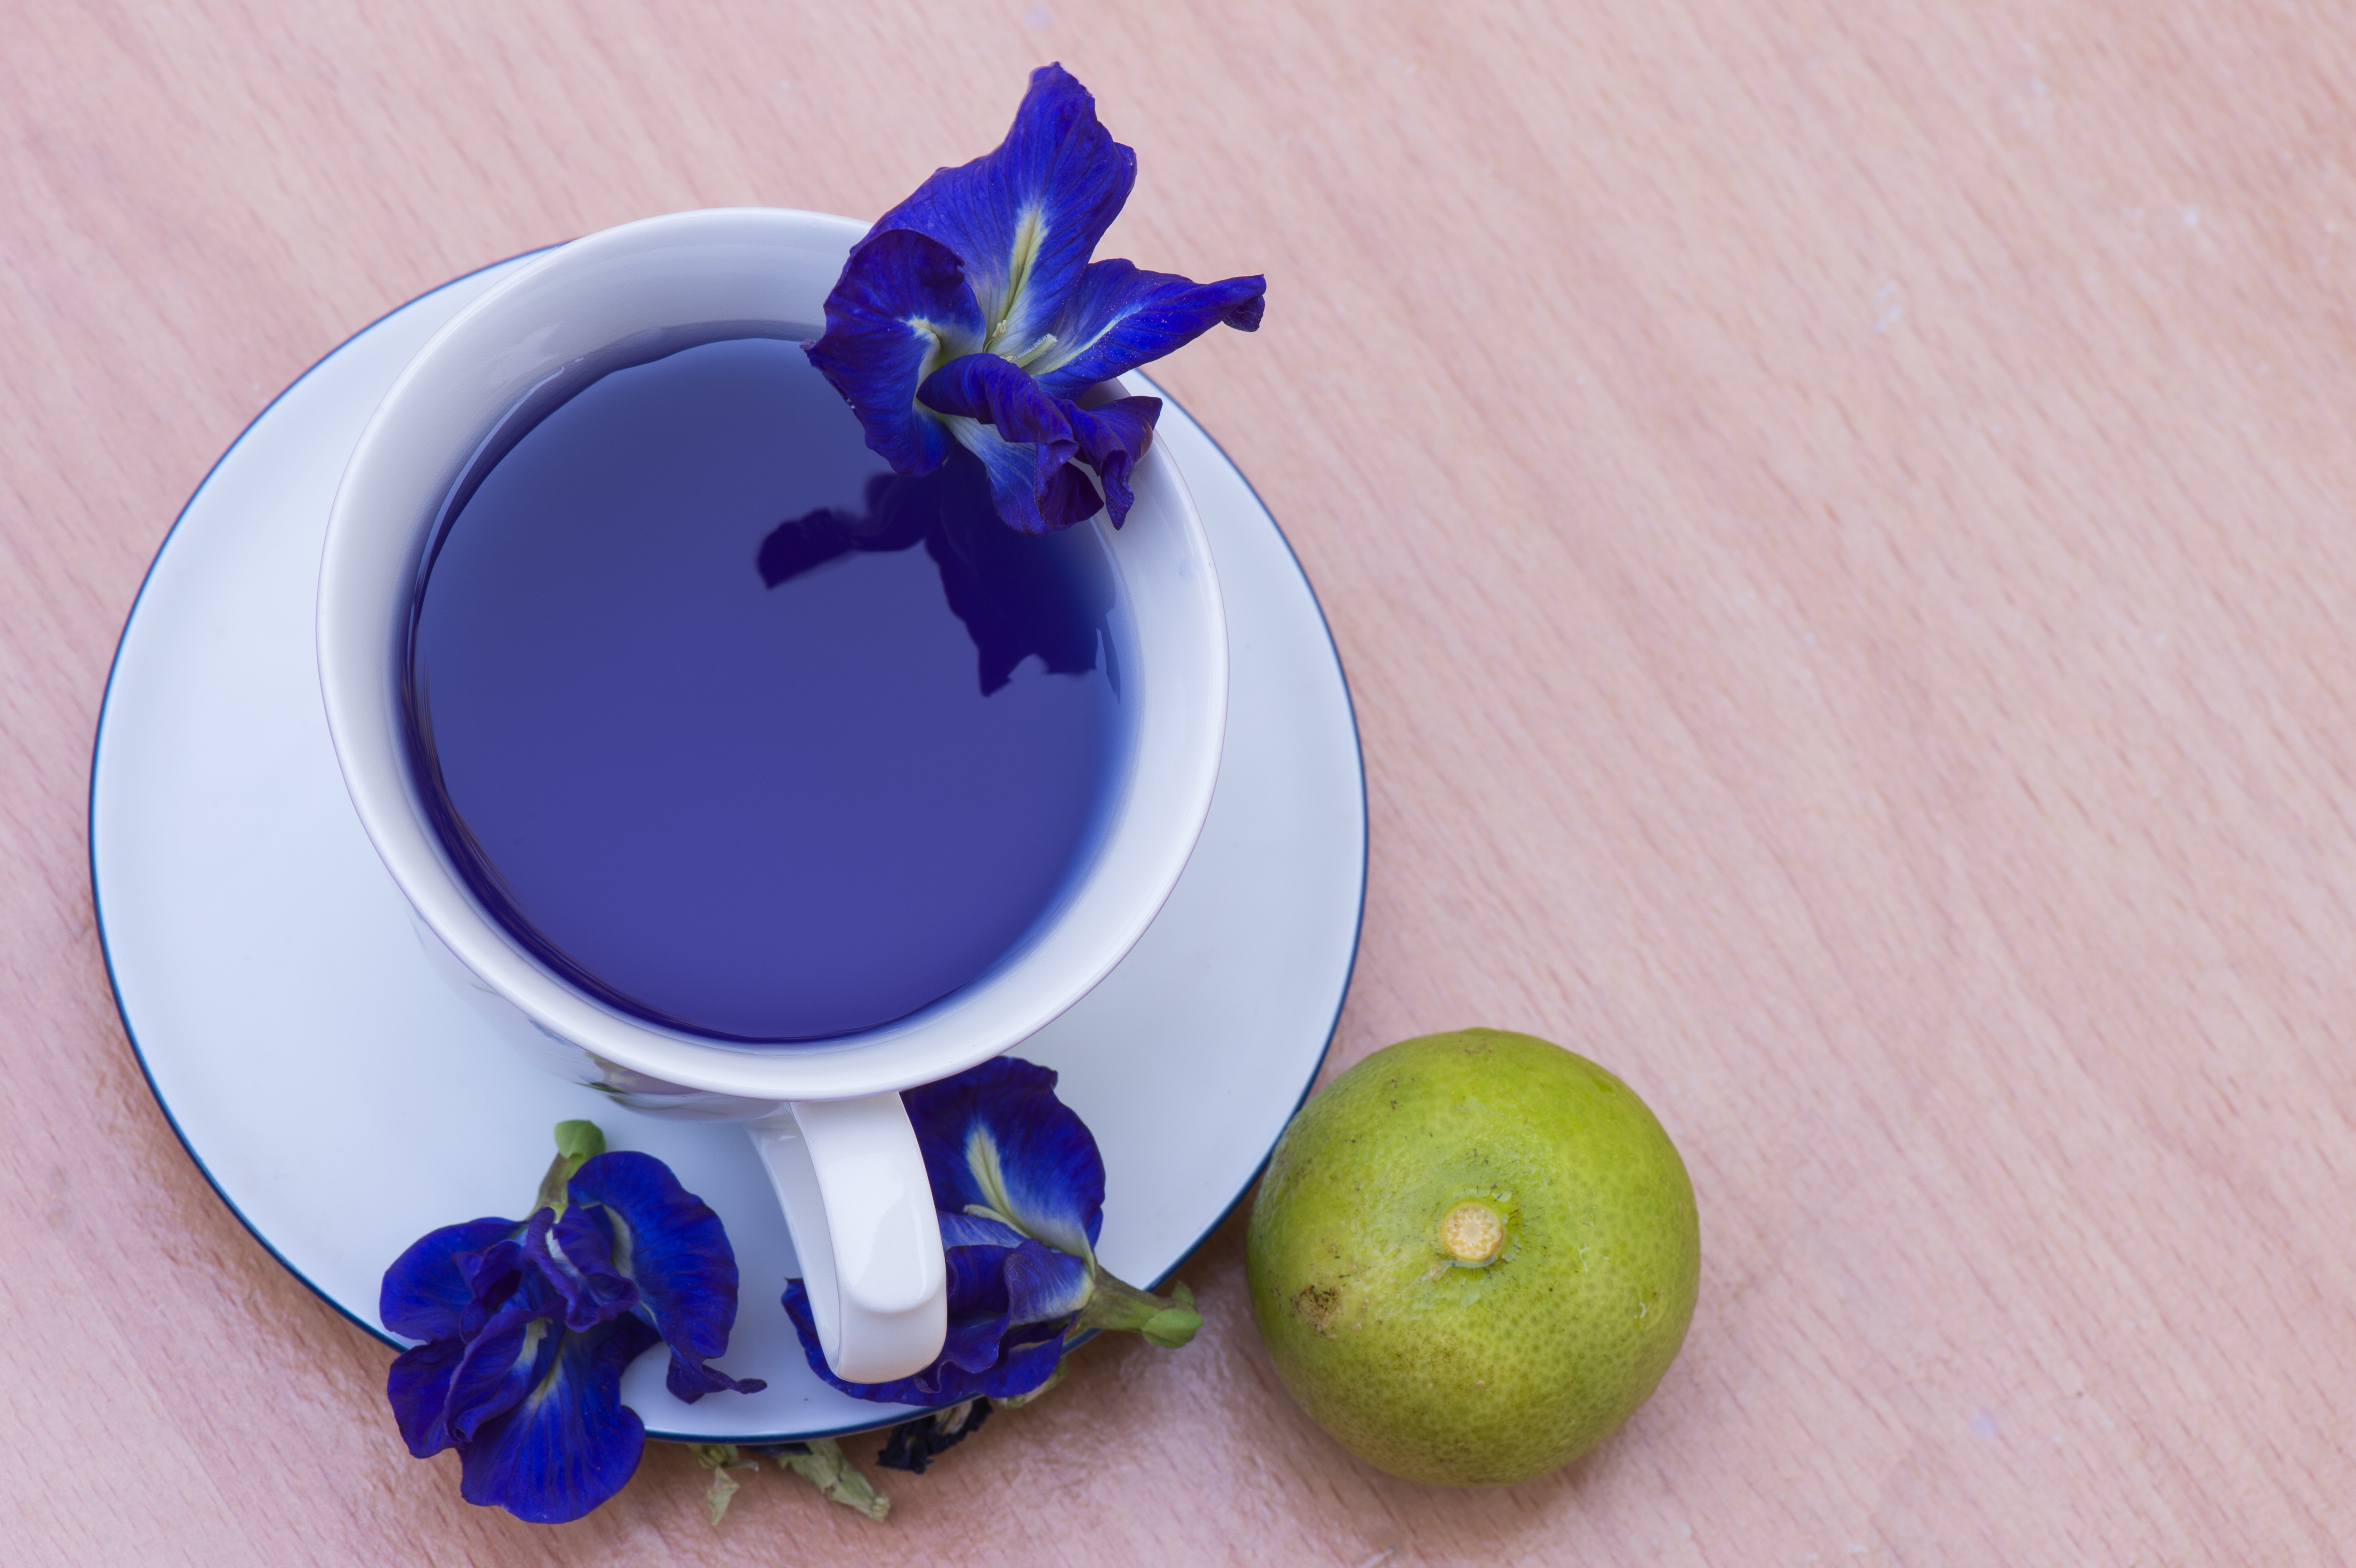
{"points": [[527, 1325], [1018, 1186], [970, 316]]}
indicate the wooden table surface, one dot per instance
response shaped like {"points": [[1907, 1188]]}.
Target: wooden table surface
{"points": [[1837, 519]]}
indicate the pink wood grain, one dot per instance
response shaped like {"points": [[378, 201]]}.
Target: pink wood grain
{"points": [[1839, 517]]}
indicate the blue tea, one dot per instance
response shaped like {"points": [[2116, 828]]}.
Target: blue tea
{"points": [[736, 730]]}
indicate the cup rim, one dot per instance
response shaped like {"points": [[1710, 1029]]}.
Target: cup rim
{"points": [[680, 269]]}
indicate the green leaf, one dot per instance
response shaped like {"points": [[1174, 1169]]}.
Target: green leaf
{"points": [[722, 1493], [580, 1141], [1171, 1327], [823, 1464], [720, 1458], [577, 1143]]}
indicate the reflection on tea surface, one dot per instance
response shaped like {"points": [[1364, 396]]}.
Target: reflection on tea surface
{"points": [[761, 780]]}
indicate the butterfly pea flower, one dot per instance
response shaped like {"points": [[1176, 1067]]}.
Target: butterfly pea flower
{"points": [[972, 318], [527, 1325], [1019, 1186]]}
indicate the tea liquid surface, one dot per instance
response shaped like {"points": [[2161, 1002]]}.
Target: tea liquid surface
{"points": [[759, 812]]}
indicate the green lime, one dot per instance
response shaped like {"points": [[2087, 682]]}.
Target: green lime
{"points": [[1473, 1256]]}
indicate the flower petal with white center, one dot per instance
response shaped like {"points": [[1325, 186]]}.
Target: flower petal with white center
{"points": [[528, 1324], [1018, 1186], [1122, 317], [1026, 217], [995, 1137], [900, 310], [630, 1211], [991, 258]]}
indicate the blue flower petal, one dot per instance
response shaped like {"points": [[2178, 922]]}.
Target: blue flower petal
{"points": [[502, 1364], [1069, 498], [993, 259], [419, 1389], [962, 1229], [972, 1346], [1043, 1284], [977, 1281], [493, 1273], [670, 1244], [1111, 439], [1025, 1366], [1028, 496], [996, 1137], [901, 308], [997, 391], [994, 1289], [1024, 1359], [577, 1301], [600, 1290], [1122, 317], [1004, 1157], [426, 1292], [1026, 217], [1022, 437], [569, 1443]]}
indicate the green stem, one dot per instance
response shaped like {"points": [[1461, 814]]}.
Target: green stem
{"points": [[1167, 1321]]}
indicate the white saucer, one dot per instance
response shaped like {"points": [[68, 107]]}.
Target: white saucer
{"points": [[286, 1015]]}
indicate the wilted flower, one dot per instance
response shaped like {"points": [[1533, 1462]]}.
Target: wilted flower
{"points": [[1019, 1188], [527, 1324], [971, 315]]}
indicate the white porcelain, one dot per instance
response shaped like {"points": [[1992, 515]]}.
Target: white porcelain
{"points": [[678, 275], [851, 1183], [344, 1100]]}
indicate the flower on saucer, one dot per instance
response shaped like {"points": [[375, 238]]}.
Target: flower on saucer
{"points": [[970, 317], [1018, 1186], [527, 1324]]}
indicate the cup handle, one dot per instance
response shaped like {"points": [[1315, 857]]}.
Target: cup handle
{"points": [[861, 1210]]}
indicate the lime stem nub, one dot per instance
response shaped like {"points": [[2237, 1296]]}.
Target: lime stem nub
{"points": [[1472, 1231]]}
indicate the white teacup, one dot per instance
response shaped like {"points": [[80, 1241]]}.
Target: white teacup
{"points": [[826, 1115]]}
